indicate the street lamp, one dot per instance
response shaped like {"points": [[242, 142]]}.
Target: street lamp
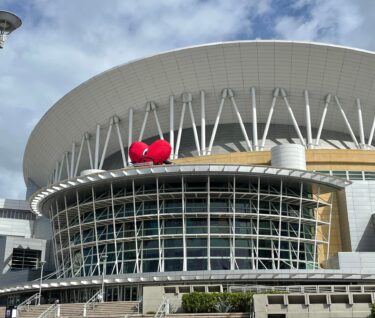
{"points": [[41, 264], [8, 23], [104, 260]]}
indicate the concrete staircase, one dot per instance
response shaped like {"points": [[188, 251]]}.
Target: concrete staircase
{"points": [[108, 309], [34, 311], [113, 309]]}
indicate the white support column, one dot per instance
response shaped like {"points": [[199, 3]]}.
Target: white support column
{"points": [[257, 228], [180, 131], [203, 123], [184, 250], [61, 168], [280, 222], [195, 132], [79, 156], [154, 110], [161, 263], [233, 245], [67, 165], [109, 131], [346, 122], [329, 229], [369, 142], [135, 230], [208, 223], [267, 127], [283, 94], [72, 159], [148, 108], [121, 143], [97, 146], [231, 96], [56, 175], [308, 120], [360, 123], [299, 223], [96, 230], [130, 133], [171, 124], [87, 137], [69, 237], [327, 101], [255, 121], [316, 214], [224, 95], [80, 233], [114, 229]]}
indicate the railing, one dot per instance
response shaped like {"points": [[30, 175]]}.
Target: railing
{"points": [[51, 311], [163, 309], [25, 305], [98, 297], [139, 304]]}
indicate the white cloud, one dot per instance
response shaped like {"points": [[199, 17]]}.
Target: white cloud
{"points": [[63, 43]]}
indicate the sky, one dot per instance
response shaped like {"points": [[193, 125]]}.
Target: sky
{"points": [[65, 42]]}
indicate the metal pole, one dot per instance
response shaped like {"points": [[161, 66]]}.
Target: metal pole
{"points": [[295, 124], [255, 122], [180, 131], [328, 99], [97, 146], [360, 122], [265, 133], [203, 123], [308, 120], [195, 133], [224, 95], [346, 122], [231, 96], [369, 142], [41, 279], [171, 124], [104, 258]]}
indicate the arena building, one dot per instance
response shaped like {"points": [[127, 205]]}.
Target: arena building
{"points": [[271, 183]]}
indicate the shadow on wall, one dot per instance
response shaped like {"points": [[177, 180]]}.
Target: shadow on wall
{"points": [[366, 243]]}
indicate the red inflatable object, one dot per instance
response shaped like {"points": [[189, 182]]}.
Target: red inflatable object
{"points": [[137, 150], [157, 153]]}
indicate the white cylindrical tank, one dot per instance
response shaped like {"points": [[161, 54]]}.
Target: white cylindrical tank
{"points": [[289, 156]]}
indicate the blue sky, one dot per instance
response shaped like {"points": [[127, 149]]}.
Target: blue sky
{"points": [[63, 43]]}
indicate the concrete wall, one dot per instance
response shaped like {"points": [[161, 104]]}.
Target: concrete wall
{"points": [[357, 261], [314, 305], [16, 227], [8, 243], [360, 202]]}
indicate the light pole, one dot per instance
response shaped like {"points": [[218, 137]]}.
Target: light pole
{"points": [[8, 23], [104, 260], [41, 263]]}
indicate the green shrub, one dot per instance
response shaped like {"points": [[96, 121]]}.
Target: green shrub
{"points": [[199, 302], [208, 302], [373, 311]]}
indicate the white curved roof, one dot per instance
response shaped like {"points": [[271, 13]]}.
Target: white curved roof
{"points": [[295, 66]]}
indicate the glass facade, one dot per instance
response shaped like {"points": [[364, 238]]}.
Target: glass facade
{"points": [[188, 223]]}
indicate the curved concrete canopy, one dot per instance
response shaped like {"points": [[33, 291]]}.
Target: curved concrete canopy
{"points": [[295, 66]]}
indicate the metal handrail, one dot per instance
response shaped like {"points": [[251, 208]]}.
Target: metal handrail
{"points": [[26, 303], [53, 309], [98, 296], [163, 309]]}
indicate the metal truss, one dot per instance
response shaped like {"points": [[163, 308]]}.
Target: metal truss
{"points": [[129, 220], [71, 161]]}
